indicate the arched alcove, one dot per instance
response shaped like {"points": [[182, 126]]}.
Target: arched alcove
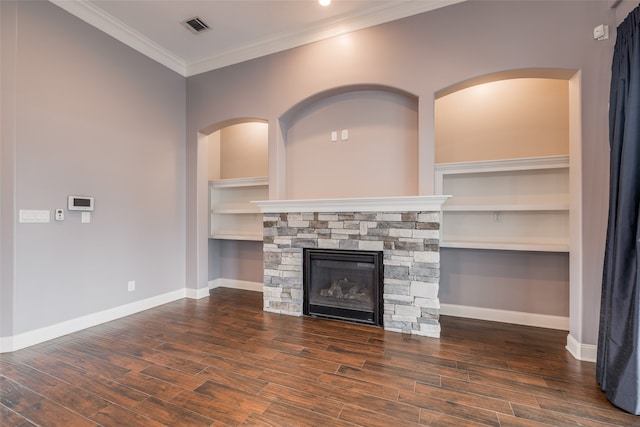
{"points": [[515, 136], [235, 158], [353, 141]]}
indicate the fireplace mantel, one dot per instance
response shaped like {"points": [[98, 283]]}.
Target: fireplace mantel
{"points": [[370, 204]]}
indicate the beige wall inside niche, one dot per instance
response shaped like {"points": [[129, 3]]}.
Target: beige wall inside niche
{"points": [[239, 151], [380, 157], [515, 118]]}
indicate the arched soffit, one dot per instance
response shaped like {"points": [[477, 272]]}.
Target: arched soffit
{"points": [[291, 114], [524, 73], [230, 122]]}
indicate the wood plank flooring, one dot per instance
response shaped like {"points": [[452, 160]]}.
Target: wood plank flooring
{"points": [[222, 361]]}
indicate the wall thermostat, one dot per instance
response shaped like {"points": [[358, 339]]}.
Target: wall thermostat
{"points": [[80, 203]]}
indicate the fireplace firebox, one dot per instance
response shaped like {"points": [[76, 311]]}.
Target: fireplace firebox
{"points": [[343, 285]]}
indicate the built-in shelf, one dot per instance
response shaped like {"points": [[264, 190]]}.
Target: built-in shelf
{"points": [[507, 246], [507, 207], [228, 210], [240, 182], [514, 204], [232, 215], [229, 236]]}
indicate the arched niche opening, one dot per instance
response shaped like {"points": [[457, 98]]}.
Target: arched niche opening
{"points": [[524, 113], [236, 157], [508, 146], [353, 141], [237, 149]]}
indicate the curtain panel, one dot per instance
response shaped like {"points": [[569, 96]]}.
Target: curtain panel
{"points": [[618, 361]]}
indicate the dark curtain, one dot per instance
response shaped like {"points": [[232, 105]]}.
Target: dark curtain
{"points": [[618, 363]]}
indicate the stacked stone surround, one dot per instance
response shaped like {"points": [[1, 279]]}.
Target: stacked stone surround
{"points": [[410, 245]]}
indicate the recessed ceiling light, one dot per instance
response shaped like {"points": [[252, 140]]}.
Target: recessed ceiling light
{"points": [[196, 25], [324, 2]]}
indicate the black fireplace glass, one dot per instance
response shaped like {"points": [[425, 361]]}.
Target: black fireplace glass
{"points": [[344, 285]]}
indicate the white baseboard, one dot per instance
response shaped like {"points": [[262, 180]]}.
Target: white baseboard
{"points": [[197, 293], [37, 336], [506, 316], [585, 352], [236, 284]]}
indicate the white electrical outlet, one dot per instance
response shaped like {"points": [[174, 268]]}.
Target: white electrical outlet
{"points": [[601, 32], [131, 285]]}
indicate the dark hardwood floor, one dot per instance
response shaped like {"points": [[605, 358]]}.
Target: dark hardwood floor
{"points": [[223, 361]]}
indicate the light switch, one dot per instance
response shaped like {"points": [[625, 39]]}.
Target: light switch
{"points": [[334, 136], [345, 134], [86, 217], [33, 216]]}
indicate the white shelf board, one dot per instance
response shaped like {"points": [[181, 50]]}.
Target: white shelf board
{"points": [[236, 210], [461, 207], [258, 181], [237, 236], [526, 163], [507, 246]]}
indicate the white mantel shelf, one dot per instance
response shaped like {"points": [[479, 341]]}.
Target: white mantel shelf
{"points": [[371, 204]]}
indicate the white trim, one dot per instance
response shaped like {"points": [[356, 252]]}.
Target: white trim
{"points": [[506, 246], [236, 284], [93, 15], [506, 316], [256, 237], [37, 336], [584, 352], [372, 204], [376, 15], [332, 27], [196, 293], [258, 181], [525, 163]]}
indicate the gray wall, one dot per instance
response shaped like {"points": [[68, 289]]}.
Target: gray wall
{"points": [[235, 259], [422, 55], [84, 114], [530, 282], [378, 159], [622, 11]]}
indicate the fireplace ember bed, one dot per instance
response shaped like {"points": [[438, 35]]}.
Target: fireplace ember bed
{"points": [[343, 285]]}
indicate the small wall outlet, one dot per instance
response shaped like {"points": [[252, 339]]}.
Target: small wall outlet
{"points": [[131, 285], [601, 32]]}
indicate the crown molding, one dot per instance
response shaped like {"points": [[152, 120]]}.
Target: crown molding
{"points": [[93, 15], [321, 31], [358, 20]]}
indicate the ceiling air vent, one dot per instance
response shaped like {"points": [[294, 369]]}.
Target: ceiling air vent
{"points": [[196, 25]]}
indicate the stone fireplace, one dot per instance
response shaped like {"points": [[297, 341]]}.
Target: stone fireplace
{"points": [[405, 229]]}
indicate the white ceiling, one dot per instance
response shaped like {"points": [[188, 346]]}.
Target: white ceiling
{"points": [[240, 29]]}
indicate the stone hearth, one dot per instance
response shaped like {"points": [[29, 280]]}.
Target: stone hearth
{"points": [[406, 229]]}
